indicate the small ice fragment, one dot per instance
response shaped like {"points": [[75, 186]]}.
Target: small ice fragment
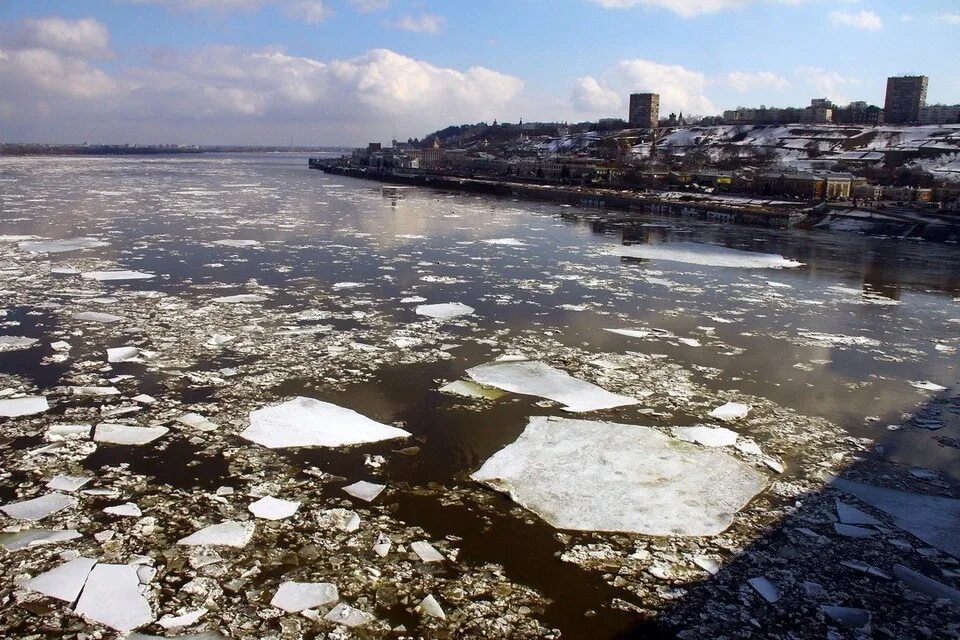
{"points": [[197, 421], [95, 391], [306, 422], [64, 582], [347, 285], [270, 508], [341, 519], [412, 299], [107, 276], [96, 316], [852, 515], [926, 385], [444, 311], [470, 389], [112, 597], [765, 588], [348, 616], [706, 435], [506, 242], [184, 620], [426, 551], [68, 483], [709, 565], [730, 411], [228, 534], [927, 586], [853, 531], [16, 343], [122, 354], [748, 447], [430, 607], [237, 244], [365, 490], [219, 339], [26, 406], [690, 342], [38, 508], [538, 379], [126, 434], [632, 333], [847, 616], [127, 510], [144, 399], [294, 597], [242, 298], [382, 545], [36, 538]]}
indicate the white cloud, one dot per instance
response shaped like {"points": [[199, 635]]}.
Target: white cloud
{"points": [[86, 37], [369, 6], [591, 96], [424, 23], [950, 18], [866, 20], [310, 11], [680, 89], [745, 81], [685, 8], [828, 84]]}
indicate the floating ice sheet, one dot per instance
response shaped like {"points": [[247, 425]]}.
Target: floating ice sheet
{"points": [[112, 597], [933, 519], [68, 483], [126, 434], [63, 582], [364, 490], [306, 422], [348, 616], [16, 343], [294, 597], [472, 390], [706, 435], [35, 538], [730, 411], [108, 276], [270, 508], [38, 508], [602, 476], [444, 311], [538, 379], [237, 244], [125, 510], [241, 298], [96, 316], [197, 421], [61, 246], [122, 354], [426, 551], [227, 534], [707, 255], [27, 406]]}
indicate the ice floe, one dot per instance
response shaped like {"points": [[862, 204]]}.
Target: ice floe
{"points": [[241, 298], [16, 343], [38, 508], [707, 255], [602, 476], [26, 406], [111, 596], [122, 354], [64, 582], [444, 311], [61, 246], [426, 551], [307, 422], [68, 483], [534, 378], [294, 597], [227, 534], [127, 435], [469, 389], [364, 490], [270, 508], [109, 276], [730, 411], [35, 538], [706, 435], [96, 316], [348, 616], [125, 510]]}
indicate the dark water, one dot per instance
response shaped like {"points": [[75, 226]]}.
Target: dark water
{"points": [[899, 300]]}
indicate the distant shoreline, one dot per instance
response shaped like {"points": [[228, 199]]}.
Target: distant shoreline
{"points": [[23, 150]]}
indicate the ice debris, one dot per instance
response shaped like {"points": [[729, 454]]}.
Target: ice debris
{"points": [[730, 411], [348, 616], [64, 582], [26, 406], [444, 311], [270, 508], [227, 534], [108, 276], [294, 597], [364, 490], [706, 435], [123, 434], [38, 508], [111, 596], [707, 255]]}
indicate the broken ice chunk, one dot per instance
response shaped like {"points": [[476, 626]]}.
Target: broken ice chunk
{"points": [[847, 616], [68, 483], [306, 422], [342, 519], [122, 354], [852, 515], [765, 588], [926, 385], [730, 411], [183, 620], [107, 276], [38, 508], [27, 406], [927, 586], [126, 434], [430, 607], [706, 435], [61, 246], [853, 531], [444, 311], [471, 390], [365, 490], [95, 316], [707, 255], [227, 534], [242, 298], [348, 616], [270, 508], [126, 510], [294, 597], [16, 343], [602, 476], [690, 342], [63, 582], [382, 545], [238, 244], [197, 421], [506, 242], [538, 379], [95, 391], [36, 538], [426, 551], [112, 597]]}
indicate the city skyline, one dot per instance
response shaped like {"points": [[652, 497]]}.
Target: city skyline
{"points": [[340, 72]]}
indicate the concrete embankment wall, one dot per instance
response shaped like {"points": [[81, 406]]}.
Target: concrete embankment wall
{"points": [[584, 198]]}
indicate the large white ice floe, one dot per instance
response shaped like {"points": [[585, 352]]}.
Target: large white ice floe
{"points": [[241, 298], [16, 343], [602, 476], [109, 276], [505, 242], [534, 378], [227, 534], [444, 310], [111, 596], [469, 389], [237, 244], [64, 582], [307, 422], [933, 519], [38, 508], [126, 434], [294, 597], [706, 435], [706, 255], [122, 354], [270, 508], [26, 406], [68, 483], [730, 411], [61, 246], [35, 538], [96, 316]]}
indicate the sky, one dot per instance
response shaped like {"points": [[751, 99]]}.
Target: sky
{"points": [[344, 72]]}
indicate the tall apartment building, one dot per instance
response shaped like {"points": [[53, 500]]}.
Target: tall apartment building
{"points": [[906, 96], [644, 110]]}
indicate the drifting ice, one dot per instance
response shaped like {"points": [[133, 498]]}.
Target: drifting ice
{"points": [[227, 534], [444, 311], [112, 597], [294, 597], [23, 406], [601, 476], [706, 255]]}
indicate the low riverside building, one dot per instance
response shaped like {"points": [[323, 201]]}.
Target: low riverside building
{"points": [[807, 185]]}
